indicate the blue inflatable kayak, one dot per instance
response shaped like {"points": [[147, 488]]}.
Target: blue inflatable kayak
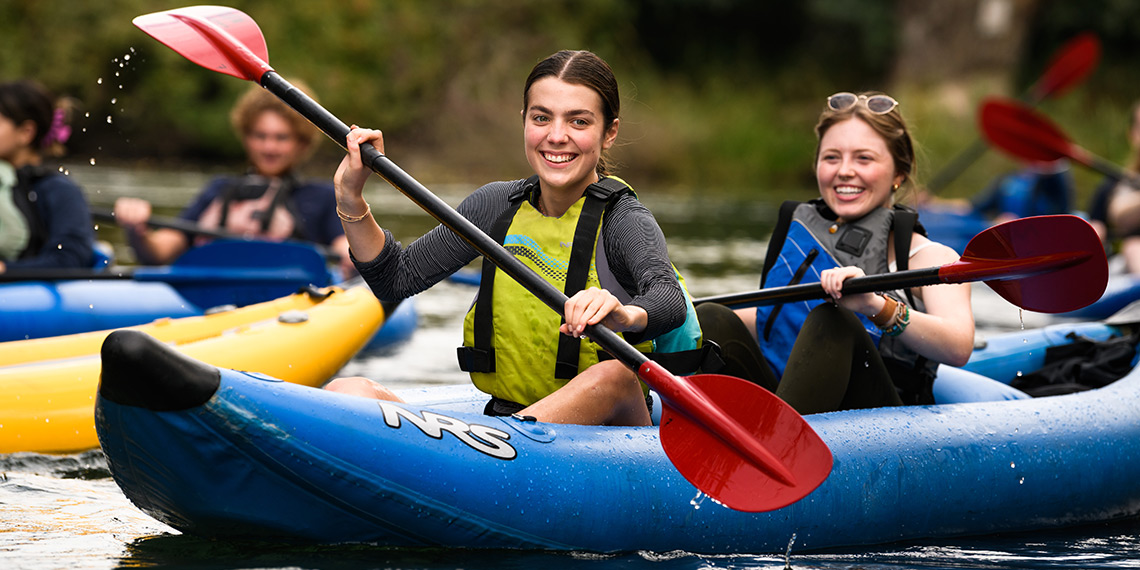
{"points": [[221, 453], [42, 303]]}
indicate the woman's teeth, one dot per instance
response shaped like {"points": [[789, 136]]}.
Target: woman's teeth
{"points": [[558, 157]]}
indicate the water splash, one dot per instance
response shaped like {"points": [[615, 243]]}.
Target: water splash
{"points": [[788, 553]]}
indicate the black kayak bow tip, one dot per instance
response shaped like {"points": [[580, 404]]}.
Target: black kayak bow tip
{"points": [[140, 371]]}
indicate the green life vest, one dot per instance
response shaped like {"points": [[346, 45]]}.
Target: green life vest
{"points": [[512, 347]]}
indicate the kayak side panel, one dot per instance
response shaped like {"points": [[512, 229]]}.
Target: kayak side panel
{"points": [[275, 460]]}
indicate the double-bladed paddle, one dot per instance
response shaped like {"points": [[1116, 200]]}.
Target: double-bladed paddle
{"points": [[733, 440], [1029, 135], [1047, 264], [1069, 66]]}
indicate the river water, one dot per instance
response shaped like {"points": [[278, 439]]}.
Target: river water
{"points": [[66, 512]]}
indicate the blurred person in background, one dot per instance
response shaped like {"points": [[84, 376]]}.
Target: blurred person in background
{"points": [[45, 220], [268, 202], [1115, 207]]}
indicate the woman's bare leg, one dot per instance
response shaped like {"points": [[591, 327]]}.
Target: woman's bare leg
{"points": [[607, 393]]}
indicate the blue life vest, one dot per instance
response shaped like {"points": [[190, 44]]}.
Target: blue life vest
{"points": [[808, 240]]}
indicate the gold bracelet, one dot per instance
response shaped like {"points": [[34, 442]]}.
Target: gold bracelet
{"points": [[353, 219]]}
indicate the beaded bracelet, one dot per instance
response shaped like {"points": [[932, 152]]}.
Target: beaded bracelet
{"points": [[353, 219], [902, 319]]}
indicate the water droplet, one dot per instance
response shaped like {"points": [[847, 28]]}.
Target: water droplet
{"points": [[99, 81], [87, 114], [128, 56], [1012, 465], [108, 119], [698, 500], [114, 100], [92, 161]]}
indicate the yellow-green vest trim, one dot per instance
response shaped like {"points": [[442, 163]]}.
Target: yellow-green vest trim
{"points": [[521, 357]]}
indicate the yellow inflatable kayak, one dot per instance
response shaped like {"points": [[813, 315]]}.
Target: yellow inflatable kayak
{"points": [[47, 386]]}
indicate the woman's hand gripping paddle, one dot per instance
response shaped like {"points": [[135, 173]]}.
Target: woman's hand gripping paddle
{"points": [[1046, 264], [731, 439]]}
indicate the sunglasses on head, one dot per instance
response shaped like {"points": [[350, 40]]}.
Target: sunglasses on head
{"points": [[877, 104]]}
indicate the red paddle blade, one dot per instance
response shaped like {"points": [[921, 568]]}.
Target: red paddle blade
{"points": [[721, 470], [1046, 264], [1072, 63], [215, 37], [1026, 134]]}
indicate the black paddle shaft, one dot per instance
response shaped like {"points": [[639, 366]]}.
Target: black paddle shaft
{"points": [[108, 215], [446, 215], [806, 291], [190, 227]]}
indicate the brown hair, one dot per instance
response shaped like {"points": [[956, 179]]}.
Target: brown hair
{"points": [[891, 126], [587, 69], [258, 100]]}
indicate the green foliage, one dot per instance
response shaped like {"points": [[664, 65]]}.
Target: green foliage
{"points": [[717, 94]]}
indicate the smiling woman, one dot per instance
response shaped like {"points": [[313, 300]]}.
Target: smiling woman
{"points": [[888, 346], [620, 276]]}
